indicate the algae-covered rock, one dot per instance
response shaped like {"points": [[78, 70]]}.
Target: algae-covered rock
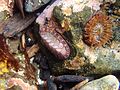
{"points": [[73, 15], [104, 58], [109, 82], [92, 34]]}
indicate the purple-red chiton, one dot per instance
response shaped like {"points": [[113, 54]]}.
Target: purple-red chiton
{"points": [[54, 40]]}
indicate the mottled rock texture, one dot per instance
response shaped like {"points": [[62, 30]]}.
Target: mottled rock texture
{"points": [[73, 16], [109, 82]]}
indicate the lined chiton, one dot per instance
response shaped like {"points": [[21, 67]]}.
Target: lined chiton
{"points": [[53, 40], [98, 30]]}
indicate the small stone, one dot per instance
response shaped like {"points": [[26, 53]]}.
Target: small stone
{"points": [[109, 82]]}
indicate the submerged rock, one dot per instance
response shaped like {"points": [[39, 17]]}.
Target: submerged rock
{"points": [[109, 82]]}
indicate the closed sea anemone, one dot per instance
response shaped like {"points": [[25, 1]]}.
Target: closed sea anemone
{"points": [[98, 30]]}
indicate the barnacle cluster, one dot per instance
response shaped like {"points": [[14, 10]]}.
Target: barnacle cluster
{"points": [[98, 30]]}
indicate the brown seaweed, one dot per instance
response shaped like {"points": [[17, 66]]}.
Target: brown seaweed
{"points": [[6, 55], [30, 70]]}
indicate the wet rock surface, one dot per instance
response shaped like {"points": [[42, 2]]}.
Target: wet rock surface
{"points": [[105, 83]]}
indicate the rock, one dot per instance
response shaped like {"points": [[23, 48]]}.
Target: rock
{"points": [[73, 15], [88, 60], [109, 82], [32, 5], [47, 13], [78, 86]]}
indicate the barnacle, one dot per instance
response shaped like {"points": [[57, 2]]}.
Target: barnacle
{"points": [[98, 30]]}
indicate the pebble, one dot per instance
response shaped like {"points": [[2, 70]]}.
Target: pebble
{"points": [[108, 82]]}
